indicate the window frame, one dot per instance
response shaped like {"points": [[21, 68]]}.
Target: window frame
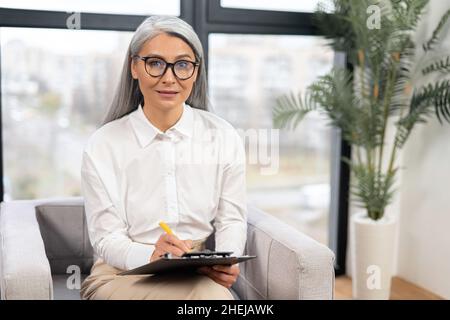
{"points": [[206, 17]]}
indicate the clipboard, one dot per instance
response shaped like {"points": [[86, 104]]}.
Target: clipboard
{"points": [[187, 262]]}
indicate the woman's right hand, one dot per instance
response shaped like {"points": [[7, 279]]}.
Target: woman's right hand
{"points": [[169, 243]]}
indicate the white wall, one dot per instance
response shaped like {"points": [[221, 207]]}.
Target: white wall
{"points": [[422, 204], [424, 237]]}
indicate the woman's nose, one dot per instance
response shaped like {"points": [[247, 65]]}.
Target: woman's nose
{"points": [[168, 76]]}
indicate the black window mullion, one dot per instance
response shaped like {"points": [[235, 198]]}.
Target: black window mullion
{"points": [[266, 18], [258, 29], [58, 19], [187, 8]]}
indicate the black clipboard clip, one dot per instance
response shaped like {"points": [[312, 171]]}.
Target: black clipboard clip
{"points": [[200, 254], [207, 254]]}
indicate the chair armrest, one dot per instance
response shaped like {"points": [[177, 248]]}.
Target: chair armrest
{"points": [[24, 267], [289, 264]]}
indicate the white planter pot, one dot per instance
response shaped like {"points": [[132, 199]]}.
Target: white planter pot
{"points": [[372, 249]]}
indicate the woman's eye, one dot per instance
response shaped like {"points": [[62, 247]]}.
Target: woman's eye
{"points": [[182, 64], [155, 63]]}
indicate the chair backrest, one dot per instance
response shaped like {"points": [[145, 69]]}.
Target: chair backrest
{"points": [[64, 231]]}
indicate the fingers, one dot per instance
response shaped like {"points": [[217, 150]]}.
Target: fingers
{"points": [[172, 244], [208, 271], [167, 247], [220, 277], [172, 239], [189, 244], [231, 270]]}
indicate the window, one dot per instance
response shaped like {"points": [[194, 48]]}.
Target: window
{"points": [[138, 7], [53, 97], [280, 5], [247, 73]]}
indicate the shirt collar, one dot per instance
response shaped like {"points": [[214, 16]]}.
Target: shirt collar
{"points": [[145, 131]]}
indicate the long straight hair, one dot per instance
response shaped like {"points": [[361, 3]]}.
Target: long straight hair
{"points": [[128, 96]]}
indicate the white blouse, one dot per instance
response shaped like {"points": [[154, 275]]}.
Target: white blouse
{"points": [[192, 177]]}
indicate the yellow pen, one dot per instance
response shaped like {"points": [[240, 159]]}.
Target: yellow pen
{"points": [[167, 229]]}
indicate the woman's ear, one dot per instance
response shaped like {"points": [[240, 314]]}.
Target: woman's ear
{"points": [[134, 73]]}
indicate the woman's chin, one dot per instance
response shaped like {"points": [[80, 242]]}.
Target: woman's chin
{"points": [[165, 104]]}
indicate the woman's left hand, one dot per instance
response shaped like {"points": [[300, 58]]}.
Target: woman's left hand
{"points": [[224, 275]]}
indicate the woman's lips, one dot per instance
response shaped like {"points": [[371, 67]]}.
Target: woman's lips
{"points": [[167, 94]]}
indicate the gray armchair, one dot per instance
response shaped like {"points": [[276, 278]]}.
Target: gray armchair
{"points": [[39, 239]]}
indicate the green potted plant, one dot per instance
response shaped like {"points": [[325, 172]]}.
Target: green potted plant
{"points": [[393, 85]]}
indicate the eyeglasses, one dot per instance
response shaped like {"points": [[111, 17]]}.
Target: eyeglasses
{"points": [[156, 67]]}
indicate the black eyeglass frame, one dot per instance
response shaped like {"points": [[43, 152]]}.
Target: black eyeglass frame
{"points": [[168, 65]]}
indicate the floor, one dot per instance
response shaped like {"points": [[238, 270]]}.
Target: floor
{"points": [[400, 290]]}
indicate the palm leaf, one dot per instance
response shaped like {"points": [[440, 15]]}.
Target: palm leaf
{"points": [[407, 13], [431, 96], [333, 94], [290, 109], [442, 65], [430, 44]]}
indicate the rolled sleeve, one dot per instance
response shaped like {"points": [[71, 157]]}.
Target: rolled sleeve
{"points": [[231, 218], [107, 229], [139, 254]]}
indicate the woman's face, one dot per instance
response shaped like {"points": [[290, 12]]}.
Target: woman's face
{"points": [[170, 49]]}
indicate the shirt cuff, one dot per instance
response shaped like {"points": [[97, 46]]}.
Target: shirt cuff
{"points": [[235, 248], [139, 255]]}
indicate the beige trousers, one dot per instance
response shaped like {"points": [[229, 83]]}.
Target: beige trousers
{"points": [[103, 283]]}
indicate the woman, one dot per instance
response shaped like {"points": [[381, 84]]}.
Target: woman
{"points": [[136, 171]]}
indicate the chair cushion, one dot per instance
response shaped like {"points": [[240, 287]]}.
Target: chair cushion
{"points": [[65, 235], [60, 289]]}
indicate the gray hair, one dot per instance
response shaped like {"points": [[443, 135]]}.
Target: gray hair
{"points": [[128, 95]]}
